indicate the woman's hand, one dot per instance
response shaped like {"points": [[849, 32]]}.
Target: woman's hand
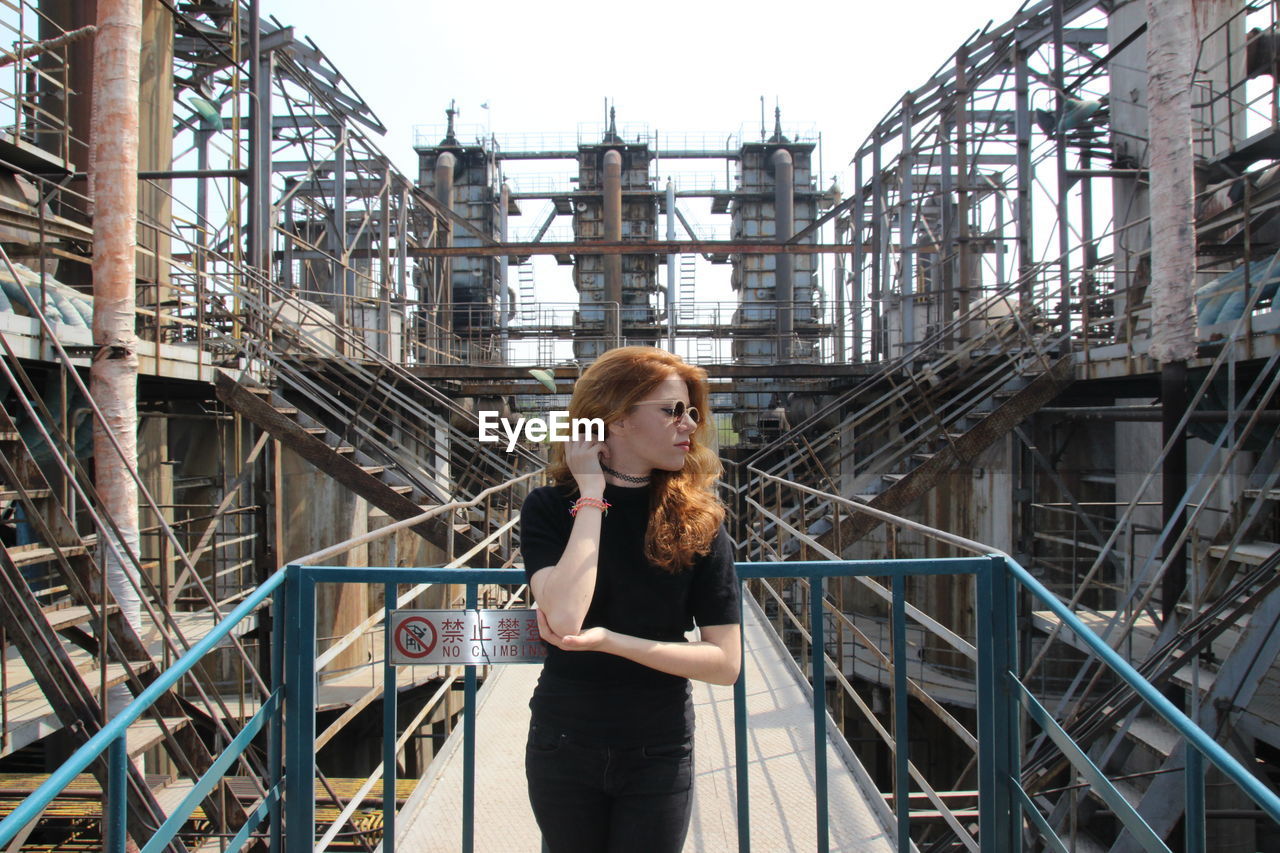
{"points": [[583, 459]]}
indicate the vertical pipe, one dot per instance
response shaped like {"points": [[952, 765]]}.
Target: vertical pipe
{"points": [[784, 224], [258, 143], [504, 271], [446, 163], [338, 240], [1064, 185], [906, 228], [1022, 127], [114, 372], [857, 231], [841, 230], [389, 735], [879, 251], [1170, 52], [613, 234], [963, 188], [1173, 482], [671, 267]]}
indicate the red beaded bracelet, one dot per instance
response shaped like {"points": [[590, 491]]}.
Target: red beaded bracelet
{"points": [[599, 503]]}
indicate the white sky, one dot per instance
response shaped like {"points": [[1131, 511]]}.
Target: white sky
{"points": [[699, 67], [677, 66]]}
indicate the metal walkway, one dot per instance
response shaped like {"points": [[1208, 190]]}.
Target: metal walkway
{"points": [[780, 734]]}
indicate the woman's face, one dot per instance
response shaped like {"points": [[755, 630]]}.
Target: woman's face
{"points": [[649, 435]]}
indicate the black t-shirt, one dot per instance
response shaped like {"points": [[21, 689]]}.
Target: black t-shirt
{"points": [[605, 698]]}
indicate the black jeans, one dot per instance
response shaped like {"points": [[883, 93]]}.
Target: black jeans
{"points": [[599, 799]]}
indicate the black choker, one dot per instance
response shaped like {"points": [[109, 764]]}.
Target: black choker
{"points": [[626, 478]]}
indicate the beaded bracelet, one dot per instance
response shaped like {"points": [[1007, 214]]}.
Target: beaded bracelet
{"points": [[598, 503]]}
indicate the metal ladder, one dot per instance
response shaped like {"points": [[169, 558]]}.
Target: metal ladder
{"points": [[528, 302], [688, 286]]}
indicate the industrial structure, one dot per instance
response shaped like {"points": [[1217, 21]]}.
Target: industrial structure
{"points": [[975, 344]]}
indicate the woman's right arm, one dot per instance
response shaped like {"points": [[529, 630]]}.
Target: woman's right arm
{"points": [[563, 591]]}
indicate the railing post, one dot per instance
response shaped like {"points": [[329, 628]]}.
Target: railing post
{"points": [[740, 734], [117, 794], [818, 648], [389, 735], [1194, 817], [300, 701], [275, 731], [999, 766], [901, 733], [469, 747]]}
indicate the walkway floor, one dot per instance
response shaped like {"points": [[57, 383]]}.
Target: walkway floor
{"points": [[783, 816]]}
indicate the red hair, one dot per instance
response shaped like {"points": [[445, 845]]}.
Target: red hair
{"points": [[685, 512]]}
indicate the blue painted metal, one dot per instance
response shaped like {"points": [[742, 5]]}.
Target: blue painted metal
{"points": [[1194, 816], [116, 807], [818, 649], [300, 712], [1047, 835], [275, 734], [31, 807], [469, 747], [1100, 784], [1002, 801], [740, 738], [989, 827], [212, 776], [389, 725], [901, 725], [270, 805], [1007, 742], [1196, 736]]}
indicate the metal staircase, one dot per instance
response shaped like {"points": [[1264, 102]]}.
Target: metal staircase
{"points": [[890, 440], [75, 645]]}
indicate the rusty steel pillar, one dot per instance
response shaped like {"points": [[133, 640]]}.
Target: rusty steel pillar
{"points": [[784, 213], [613, 234], [113, 175]]}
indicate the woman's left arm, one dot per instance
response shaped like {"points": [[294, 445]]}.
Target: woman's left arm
{"points": [[716, 658]]}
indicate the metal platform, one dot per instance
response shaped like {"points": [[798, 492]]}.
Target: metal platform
{"points": [[780, 742]]}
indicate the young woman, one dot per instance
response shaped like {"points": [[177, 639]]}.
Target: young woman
{"points": [[624, 554]]}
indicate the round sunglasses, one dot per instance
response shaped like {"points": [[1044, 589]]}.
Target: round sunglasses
{"points": [[674, 409]]}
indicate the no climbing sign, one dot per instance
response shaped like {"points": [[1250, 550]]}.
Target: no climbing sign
{"points": [[465, 636]]}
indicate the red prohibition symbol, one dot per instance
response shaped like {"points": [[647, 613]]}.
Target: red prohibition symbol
{"points": [[415, 637]]}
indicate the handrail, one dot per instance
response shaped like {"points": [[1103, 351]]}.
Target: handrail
{"points": [[999, 689], [34, 804], [1223, 760]]}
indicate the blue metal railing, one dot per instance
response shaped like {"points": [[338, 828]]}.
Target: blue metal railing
{"points": [[1005, 808], [112, 738]]}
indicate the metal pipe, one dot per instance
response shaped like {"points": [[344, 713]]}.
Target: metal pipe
{"points": [[784, 220], [907, 229], [114, 372], [443, 191], [613, 233], [504, 270], [671, 267]]}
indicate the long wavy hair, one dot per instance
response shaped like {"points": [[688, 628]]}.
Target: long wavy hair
{"points": [[684, 511]]}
